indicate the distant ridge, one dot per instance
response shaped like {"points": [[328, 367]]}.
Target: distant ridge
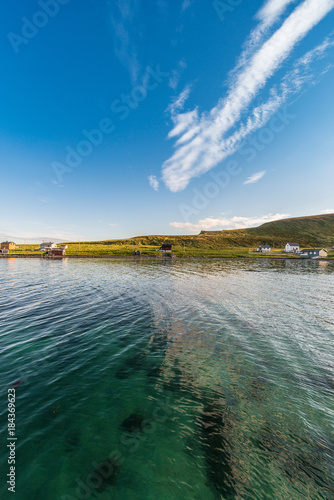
{"points": [[310, 230], [315, 230]]}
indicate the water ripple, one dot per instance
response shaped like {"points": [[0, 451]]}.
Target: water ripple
{"points": [[226, 367]]}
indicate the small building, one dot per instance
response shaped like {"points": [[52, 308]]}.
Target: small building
{"points": [[46, 245], [313, 253], [292, 247], [264, 249], [8, 245], [56, 252], [166, 247]]}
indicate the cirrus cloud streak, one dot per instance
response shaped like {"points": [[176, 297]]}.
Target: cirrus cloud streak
{"points": [[221, 223], [255, 177], [203, 143]]}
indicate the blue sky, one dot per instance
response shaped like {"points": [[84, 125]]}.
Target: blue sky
{"points": [[124, 118]]}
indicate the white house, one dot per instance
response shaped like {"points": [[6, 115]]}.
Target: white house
{"points": [[292, 247], [46, 245], [264, 249]]}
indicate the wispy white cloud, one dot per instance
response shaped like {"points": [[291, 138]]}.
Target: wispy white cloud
{"points": [[183, 122], [220, 223], [113, 225], [122, 17], [203, 143], [292, 84], [178, 103], [255, 177], [56, 183], [328, 211], [272, 10], [153, 182], [267, 16], [186, 4], [176, 73]]}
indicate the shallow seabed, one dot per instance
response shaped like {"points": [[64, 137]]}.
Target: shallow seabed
{"points": [[168, 380]]}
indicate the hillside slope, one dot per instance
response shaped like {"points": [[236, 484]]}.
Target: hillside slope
{"points": [[317, 230], [314, 230]]}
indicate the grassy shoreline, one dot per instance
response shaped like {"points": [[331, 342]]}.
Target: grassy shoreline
{"points": [[191, 254], [311, 232]]}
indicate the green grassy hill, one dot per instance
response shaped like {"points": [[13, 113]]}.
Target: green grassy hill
{"points": [[315, 230]]}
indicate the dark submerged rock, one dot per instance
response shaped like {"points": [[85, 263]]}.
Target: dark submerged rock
{"points": [[123, 373], [130, 366], [153, 370], [134, 423], [217, 447], [72, 440], [136, 361], [105, 475]]}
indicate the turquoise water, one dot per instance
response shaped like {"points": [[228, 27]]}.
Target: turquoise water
{"points": [[173, 379]]}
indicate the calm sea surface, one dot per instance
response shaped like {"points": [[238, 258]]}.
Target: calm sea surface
{"points": [[154, 380]]}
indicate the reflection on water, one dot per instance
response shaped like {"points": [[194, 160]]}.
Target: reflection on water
{"points": [[187, 379]]}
